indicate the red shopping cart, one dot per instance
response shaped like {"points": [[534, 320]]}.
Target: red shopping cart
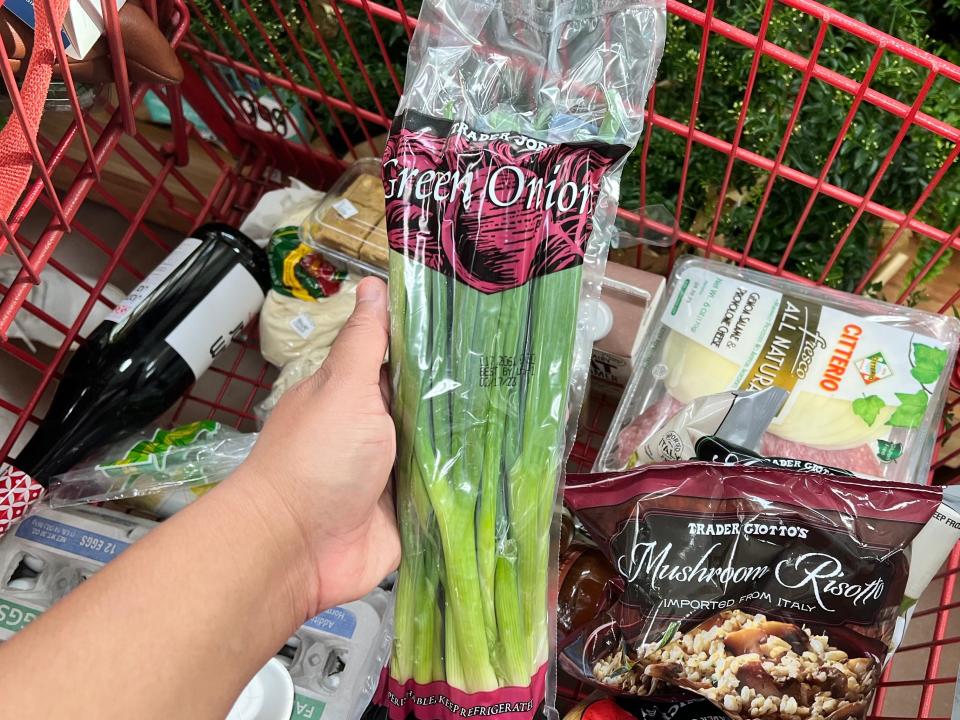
{"points": [[303, 87]]}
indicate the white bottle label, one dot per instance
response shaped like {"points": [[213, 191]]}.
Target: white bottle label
{"points": [[217, 319], [160, 273]]}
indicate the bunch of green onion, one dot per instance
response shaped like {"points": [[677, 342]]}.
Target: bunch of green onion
{"points": [[478, 465], [479, 459]]}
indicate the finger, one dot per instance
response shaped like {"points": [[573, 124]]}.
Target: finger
{"points": [[359, 348]]}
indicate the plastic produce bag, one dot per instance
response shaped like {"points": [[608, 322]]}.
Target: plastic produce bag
{"points": [[292, 373], [866, 380], [349, 224], [199, 453], [501, 177], [774, 594]]}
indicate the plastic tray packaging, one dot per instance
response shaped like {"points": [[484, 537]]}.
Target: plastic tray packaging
{"points": [[188, 456], [866, 381], [350, 221]]}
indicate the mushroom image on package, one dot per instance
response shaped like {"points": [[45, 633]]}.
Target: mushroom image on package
{"points": [[866, 380], [501, 178], [773, 594]]}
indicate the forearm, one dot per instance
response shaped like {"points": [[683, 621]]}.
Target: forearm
{"points": [[175, 626]]}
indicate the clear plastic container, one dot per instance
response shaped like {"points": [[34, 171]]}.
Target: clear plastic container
{"points": [[153, 461], [349, 224], [866, 380]]}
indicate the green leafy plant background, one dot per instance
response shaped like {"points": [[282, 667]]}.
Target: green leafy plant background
{"points": [[931, 24]]}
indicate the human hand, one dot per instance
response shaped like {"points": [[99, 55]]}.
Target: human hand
{"points": [[305, 523], [325, 456]]}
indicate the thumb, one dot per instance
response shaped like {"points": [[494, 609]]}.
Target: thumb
{"points": [[362, 342]]}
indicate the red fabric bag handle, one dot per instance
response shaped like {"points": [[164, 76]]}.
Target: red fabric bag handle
{"points": [[17, 138], [18, 491]]}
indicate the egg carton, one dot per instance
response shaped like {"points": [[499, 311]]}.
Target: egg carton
{"points": [[335, 658], [52, 551]]}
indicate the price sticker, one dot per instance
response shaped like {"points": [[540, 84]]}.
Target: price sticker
{"points": [[303, 326], [345, 208]]}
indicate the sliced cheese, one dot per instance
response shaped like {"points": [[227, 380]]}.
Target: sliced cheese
{"points": [[828, 423], [693, 371]]}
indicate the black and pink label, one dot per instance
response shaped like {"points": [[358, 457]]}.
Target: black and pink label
{"points": [[492, 210], [685, 562], [440, 701]]}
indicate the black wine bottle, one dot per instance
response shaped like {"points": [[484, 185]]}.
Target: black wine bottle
{"points": [[151, 347]]}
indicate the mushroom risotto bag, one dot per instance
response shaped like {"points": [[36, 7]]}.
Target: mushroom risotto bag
{"points": [[773, 594]]}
